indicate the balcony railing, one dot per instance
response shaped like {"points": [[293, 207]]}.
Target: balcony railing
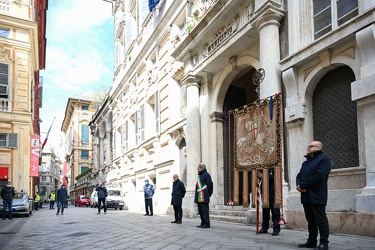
{"points": [[4, 6], [5, 104]]}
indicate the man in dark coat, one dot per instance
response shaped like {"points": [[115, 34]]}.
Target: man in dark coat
{"points": [[7, 194], [178, 192], [203, 191], [312, 181], [102, 194], [62, 195], [274, 210]]}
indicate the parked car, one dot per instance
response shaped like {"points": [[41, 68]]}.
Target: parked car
{"points": [[94, 199], [82, 200], [115, 198], [22, 204]]}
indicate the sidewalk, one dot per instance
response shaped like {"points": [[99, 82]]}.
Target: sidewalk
{"points": [[82, 228]]}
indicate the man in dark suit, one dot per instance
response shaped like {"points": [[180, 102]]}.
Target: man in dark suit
{"points": [[312, 181], [203, 191], [178, 192]]}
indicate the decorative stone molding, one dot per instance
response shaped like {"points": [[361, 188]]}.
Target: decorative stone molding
{"points": [[233, 62], [5, 54]]}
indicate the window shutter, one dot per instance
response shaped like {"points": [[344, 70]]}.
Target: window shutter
{"points": [[12, 140], [157, 112], [128, 31], [144, 11], [4, 79]]}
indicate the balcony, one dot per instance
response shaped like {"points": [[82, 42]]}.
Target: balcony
{"points": [[5, 103]]}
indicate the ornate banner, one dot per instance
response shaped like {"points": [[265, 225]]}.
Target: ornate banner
{"points": [[258, 134], [34, 155]]}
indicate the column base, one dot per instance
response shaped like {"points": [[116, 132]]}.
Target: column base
{"points": [[365, 202]]}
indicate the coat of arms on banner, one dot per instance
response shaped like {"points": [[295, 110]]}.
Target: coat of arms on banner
{"points": [[258, 134]]}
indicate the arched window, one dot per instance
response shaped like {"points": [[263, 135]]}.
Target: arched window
{"points": [[335, 117]]}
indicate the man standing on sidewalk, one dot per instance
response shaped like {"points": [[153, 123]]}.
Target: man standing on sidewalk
{"points": [[178, 193], [51, 198], [62, 195], [203, 191], [102, 194], [149, 192], [312, 181], [37, 201], [7, 194]]}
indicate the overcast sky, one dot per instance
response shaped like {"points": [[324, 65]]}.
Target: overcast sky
{"points": [[79, 57]]}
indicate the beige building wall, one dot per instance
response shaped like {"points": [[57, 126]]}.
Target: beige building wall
{"points": [[19, 50]]}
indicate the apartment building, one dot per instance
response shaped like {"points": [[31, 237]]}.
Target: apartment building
{"points": [[181, 68], [22, 56], [78, 143]]}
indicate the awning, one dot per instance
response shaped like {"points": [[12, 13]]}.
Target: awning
{"points": [[4, 173]]}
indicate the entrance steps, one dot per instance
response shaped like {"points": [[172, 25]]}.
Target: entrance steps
{"points": [[234, 214]]}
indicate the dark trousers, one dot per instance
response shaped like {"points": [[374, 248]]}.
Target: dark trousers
{"points": [[204, 213], [100, 201], [148, 205], [51, 204], [275, 216], [9, 204], [316, 219], [177, 212]]}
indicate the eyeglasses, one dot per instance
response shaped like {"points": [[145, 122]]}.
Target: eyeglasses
{"points": [[311, 146]]}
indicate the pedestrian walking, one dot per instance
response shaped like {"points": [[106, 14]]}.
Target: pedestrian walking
{"points": [[37, 201], [203, 191], [7, 194], [62, 195], [102, 194], [52, 197], [312, 183], [149, 193], [178, 193], [274, 211]]}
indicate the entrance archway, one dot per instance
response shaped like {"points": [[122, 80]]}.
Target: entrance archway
{"points": [[240, 92]]}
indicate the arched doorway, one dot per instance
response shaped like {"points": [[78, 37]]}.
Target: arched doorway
{"points": [[241, 91]]}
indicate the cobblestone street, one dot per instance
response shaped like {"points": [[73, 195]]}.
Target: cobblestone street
{"points": [[82, 228]]}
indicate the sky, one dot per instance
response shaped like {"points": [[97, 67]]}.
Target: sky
{"points": [[79, 59]]}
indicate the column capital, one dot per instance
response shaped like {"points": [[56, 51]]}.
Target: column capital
{"points": [[191, 80], [217, 117]]}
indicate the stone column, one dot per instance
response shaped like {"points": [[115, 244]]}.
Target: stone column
{"points": [[193, 141], [268, 29], [363, 91]]}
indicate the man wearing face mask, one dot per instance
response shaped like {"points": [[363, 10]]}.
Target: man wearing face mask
{"points": [[7, 195], [149, 192], [102, 194]]}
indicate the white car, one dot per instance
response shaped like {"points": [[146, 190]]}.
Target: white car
{"points": [[22, 204]]}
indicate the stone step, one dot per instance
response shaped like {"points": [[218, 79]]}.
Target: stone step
{"points": [[235, 213], [233, 219]]}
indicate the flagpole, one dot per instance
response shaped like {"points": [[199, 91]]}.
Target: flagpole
{"points": [[49, 130]]}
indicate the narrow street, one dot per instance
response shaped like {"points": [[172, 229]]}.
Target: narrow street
{"points": [[83, 228]]}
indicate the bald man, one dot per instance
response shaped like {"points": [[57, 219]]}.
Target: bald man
{"points": [[178, 192], [312, 181]]}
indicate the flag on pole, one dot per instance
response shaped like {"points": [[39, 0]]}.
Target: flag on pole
{"points": [[49, 130]]}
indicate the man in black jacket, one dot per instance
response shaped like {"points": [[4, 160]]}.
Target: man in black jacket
{"points": [[203, 191], [7, 194], [102, 194], [178, 192], [312, 181]]}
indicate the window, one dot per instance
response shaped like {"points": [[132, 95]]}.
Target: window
{"points": [[157, 112], [4, 79], [4, 32], [142, 123], [84, 155], [143, 12], [330, 14], [85, 107], [118, 49], [85, 135], [8, 140], [125, 137], [117, 139], [84, 169]]}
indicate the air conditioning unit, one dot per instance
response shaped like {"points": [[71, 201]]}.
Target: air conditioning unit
{"points": [[4, 89]]}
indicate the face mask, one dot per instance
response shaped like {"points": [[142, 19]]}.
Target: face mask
{"points": [[146, 182], [8, 185]]}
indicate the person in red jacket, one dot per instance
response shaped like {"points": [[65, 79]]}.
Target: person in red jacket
{"points": [[312, 182]]}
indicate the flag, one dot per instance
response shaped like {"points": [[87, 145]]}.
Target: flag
{"points": [[49, 130]]}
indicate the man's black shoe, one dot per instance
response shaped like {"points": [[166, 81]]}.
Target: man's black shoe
{"points": [[275, 233], [151, 214], [174, 221], [322, 246], [262, 231], [199, 226], [145, 214], [205, 226], [178, 222], [307, 245]]}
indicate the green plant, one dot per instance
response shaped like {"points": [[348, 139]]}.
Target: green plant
{"points": [[190, 28], [89, 170]]}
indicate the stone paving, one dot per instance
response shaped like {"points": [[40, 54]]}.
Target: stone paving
{"points": [[82, 228]]}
